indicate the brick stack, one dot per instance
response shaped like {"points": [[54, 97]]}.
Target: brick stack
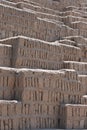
{"points": [[43, 69]]}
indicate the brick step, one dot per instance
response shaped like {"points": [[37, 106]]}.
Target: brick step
{"points": [[36, 91], [79, 40], [74, 112], [48, 30], [34, 80], [80, 67], [31, 6], [34, 98], [5, 55], [34, 53]]}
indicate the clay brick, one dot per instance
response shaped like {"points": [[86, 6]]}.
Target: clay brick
{"points": [[40, 89]]}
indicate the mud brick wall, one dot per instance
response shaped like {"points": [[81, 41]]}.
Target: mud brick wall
{"points": [[35, 53], [64, 3], [37, 91], [58, 4], [70, 20], [17, 18], [71, 13], [80, 25], [70, 53], [84, 100], [15, 22], [55, 4], [67, 42], [8, 3], [36, 7], [84, 53], [41, 108], [83, 80], [81, 28], [16, 115], [9, 41], [73, 87], [7, 82], [5, 55], [34, 94], [37, 98], [79, 40], [46, 3], [75, 116], [80, 67], [10, 112]]}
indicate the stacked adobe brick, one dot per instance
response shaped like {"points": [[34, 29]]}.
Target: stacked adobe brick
{"points": [[43, 69]]}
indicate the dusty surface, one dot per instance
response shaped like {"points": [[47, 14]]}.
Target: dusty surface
{"points": [[43, 64]]}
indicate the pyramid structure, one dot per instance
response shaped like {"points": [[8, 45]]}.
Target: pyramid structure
{"points": [[43, 64]]}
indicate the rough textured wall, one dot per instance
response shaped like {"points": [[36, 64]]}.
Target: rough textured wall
{"points": [[43, 69]]}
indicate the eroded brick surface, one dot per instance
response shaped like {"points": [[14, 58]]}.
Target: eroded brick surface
{"points": [[43, 69]]}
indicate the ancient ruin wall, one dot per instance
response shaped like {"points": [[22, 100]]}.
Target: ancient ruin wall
{"points": [[43, 90]]}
